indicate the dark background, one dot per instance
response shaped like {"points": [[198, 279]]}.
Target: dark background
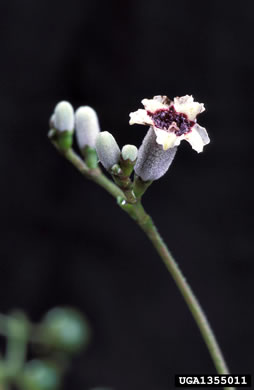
{"points": [[64, 241]]}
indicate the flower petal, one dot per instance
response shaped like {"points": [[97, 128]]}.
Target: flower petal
{"points": [[152, 105], [198, 138], [166, 139], [140, 117], [187, 106], [163, 99]]}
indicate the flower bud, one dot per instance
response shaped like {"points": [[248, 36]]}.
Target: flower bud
{"points": [[107, 150], [65, 329], [116, 170], [128, 159], [129, 152], [153, 162], [64, 117], [62, 126], [87, 127]]}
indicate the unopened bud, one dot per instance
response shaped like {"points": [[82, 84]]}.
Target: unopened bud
{"points": [[153, 162], [107, 149], [116, 170], [64, 117], [129, 152], [62, 125], [128, 159], [87, 127]]}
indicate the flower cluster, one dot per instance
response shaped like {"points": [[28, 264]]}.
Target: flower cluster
{"points": [[170, 122]]}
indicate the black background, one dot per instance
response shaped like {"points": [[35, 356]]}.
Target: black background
{"points": [[64, 241]]}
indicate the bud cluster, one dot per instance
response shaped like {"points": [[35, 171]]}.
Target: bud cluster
{"points": [[169, 121]]}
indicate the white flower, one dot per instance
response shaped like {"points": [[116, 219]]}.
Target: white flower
{"points": [[173, 121]]}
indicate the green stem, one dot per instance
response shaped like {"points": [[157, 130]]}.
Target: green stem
{"points": [[137, 212], [145, 222], [95, 175]]}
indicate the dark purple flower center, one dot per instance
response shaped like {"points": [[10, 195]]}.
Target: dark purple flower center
{"points": [[165, 117]]}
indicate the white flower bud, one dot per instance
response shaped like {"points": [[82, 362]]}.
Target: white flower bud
{"points": [[87, 127], [153, 162], [64, 117], [107, 149], [129, 152]]}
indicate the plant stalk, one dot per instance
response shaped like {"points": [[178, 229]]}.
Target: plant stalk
{"points": [[95, 174], [137, 212], [146, 224]]}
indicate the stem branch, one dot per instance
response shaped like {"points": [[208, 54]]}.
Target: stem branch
{"points": [[95, 174]]}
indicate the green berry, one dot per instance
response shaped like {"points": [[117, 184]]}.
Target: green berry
{"points": [[39, 375], [65, 329]]}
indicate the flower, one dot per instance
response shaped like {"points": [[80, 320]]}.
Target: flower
{"points": [[173, 121]]}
